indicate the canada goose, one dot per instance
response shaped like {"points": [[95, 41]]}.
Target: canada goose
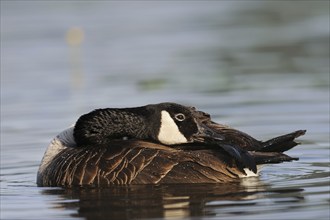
{"points": [[161, 143]]}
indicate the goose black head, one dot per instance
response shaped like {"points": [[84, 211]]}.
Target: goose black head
{"points": [[167, 123], [180, 124]]}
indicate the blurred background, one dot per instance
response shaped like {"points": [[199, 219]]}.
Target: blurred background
{"points": [[260, 66]]}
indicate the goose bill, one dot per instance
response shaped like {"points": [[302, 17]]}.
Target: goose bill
{"points": [[206, 134]]}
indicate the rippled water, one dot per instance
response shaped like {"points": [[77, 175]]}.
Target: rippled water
{"points": [[260, 67]]}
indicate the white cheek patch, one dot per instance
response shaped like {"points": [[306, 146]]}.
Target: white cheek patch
{"points": [[169, 132]]}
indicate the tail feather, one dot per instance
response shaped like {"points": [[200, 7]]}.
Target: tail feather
{"points": [[249, 152], [271, 151], [271, 157], [281, 143]]}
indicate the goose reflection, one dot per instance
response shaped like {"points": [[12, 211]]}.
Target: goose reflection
{"points": [[166, 200]]}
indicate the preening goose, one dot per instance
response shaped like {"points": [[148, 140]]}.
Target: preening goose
{"points": [[152, 144]]}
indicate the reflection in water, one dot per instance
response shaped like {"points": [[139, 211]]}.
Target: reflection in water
{"points": [[177, 200]]}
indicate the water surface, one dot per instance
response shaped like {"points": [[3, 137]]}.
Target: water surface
{"points": [[260, 67]]}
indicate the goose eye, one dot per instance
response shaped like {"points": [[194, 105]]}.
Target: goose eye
{"points": [[180, 117]]}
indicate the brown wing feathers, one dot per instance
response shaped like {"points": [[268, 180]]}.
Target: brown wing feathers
{"points": [[137, 165]]}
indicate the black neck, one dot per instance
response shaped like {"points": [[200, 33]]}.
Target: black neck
{"points": [[103, 125]]}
